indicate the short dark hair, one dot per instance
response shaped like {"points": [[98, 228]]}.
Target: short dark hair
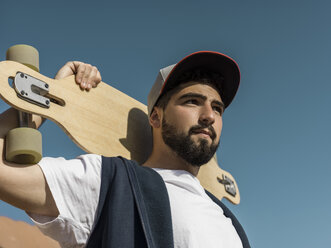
{"points": [[198, 75]]}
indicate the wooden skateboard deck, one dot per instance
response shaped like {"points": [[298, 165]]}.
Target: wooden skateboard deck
{"points": [[103, 121]]}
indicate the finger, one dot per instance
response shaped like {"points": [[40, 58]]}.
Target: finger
{"points": [[98, 78], [79, 69], [86, 75], [92, 80]]}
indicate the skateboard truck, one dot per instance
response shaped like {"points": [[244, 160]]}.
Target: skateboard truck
{"points": [[23, 144], [31, 89], [228, 185]]}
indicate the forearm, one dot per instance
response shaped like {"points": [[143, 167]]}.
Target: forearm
{"points": [[23, 186]]}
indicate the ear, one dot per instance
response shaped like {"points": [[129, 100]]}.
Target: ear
{"points": [[155, 118]]}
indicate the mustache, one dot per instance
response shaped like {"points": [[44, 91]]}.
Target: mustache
{"points": [[196, 128]]}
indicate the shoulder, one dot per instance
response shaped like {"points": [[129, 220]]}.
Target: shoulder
{"points": [[84, 165], [138, 174], [119, 162], [86, 159]]}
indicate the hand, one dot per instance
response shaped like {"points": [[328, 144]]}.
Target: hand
{"points": [[86, 75]]}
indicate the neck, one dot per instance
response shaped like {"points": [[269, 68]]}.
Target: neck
{"points": [[168, 159]]}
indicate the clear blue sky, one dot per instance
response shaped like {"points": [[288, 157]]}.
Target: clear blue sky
{"points": [[276, 139]]}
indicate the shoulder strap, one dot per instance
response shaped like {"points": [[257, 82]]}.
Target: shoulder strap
{"points": [[153, 204], [235, 222]]}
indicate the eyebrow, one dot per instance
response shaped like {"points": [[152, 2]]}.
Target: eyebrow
{"points": [[196, 95]]}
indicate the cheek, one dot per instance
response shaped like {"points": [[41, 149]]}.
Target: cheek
{"points": [[219, 126], [188, 116], [182, 117]]}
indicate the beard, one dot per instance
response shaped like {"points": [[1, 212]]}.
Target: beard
{"points": [[194, 153]]}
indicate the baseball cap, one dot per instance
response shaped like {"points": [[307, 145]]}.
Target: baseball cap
{"points": [[208, 60]]}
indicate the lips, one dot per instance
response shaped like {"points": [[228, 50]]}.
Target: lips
{"points": [[203, 130]]}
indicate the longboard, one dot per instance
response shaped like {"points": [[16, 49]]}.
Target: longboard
{"points": [[102, 121]]}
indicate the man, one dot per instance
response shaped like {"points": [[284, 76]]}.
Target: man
{"points": [[113, 202]]}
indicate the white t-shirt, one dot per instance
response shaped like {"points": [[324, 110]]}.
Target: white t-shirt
{"points": [[75, 184], [197, 220]]}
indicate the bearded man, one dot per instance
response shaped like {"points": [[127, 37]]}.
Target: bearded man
{"points": [[95, 201]]}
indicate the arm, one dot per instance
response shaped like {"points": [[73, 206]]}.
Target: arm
{"points": [[24, 186]]}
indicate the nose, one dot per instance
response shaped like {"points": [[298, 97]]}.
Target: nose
{"points": [[207, 115]]}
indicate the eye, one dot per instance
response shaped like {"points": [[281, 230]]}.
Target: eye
{"points": [[192, 101], [218, 109]]}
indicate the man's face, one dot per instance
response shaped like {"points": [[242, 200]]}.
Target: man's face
{"points": [[192, 123]]}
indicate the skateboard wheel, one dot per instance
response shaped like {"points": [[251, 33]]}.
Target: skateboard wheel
{"points": [[23, 146], [24, 54]]}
